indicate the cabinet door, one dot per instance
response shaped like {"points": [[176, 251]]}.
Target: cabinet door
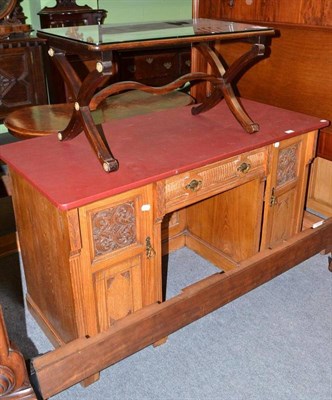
{"points": [[22, 81], [118, 247], [286, 188]]}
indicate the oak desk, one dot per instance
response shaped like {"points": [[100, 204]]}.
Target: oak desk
{"points": [[92, 242]]}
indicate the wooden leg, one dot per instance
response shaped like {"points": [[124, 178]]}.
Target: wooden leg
{"points": [[90, 380], [160, 342], [227, 78]]}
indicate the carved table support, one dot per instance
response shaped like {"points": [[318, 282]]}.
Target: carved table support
{"points": [[87, 97]]}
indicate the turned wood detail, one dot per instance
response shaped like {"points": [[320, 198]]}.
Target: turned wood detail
{"points": [[287, 164], [67, 5], [14, 382], [114, 228]]}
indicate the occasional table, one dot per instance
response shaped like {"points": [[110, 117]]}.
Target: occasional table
{"points": [[103, 40]]}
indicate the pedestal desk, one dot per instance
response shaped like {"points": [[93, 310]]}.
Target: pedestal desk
{"points": [[92, 242]]}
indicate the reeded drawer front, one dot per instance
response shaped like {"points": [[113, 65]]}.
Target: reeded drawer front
{"points": [[204, 182]]}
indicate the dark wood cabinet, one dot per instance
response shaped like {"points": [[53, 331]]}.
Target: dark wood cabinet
{"points": [[68, 13], [155, 67], [22, 80]]}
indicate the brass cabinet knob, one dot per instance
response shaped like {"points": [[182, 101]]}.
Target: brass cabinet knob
{"points": [[194, 185], [244, 167]]}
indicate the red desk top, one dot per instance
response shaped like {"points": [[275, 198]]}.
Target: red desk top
{"points": [[149, 148]]}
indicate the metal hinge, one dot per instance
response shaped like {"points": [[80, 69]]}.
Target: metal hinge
{"points": [[273, 198], [149, 250]]}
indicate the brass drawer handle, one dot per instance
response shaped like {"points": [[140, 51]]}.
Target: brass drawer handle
{"points": [[244, 167], [194, 185], [167, 65]]}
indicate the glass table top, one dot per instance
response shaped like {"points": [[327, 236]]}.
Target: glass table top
{"points": [[133, 32]]}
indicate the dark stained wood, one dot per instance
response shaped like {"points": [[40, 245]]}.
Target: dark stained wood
{"points": [[22, 81], [43, 120], [14, 381], [68, 13], [7, 227], [154, 322], [84, 92], [12, 19]]}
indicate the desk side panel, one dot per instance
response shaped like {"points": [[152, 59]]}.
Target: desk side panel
{"points": [[45, 243]]}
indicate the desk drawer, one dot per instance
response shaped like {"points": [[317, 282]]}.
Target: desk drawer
{"points": [[200, 183]]}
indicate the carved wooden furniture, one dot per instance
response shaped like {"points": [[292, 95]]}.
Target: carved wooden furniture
{"points": [[93, 269], [7, 229], [68, 13], [22, 81], [154, 67], [14, 380], [102, 41], [12, 19]]}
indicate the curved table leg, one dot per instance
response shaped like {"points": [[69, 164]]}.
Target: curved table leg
{"points": [[97, 140], [86, 99], [226, 78], [81, 119]]}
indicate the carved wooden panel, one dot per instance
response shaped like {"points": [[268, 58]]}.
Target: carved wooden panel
{"points": [[114, 228], [287, 164], [22, 80], [286, 188], [118, 291]]}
